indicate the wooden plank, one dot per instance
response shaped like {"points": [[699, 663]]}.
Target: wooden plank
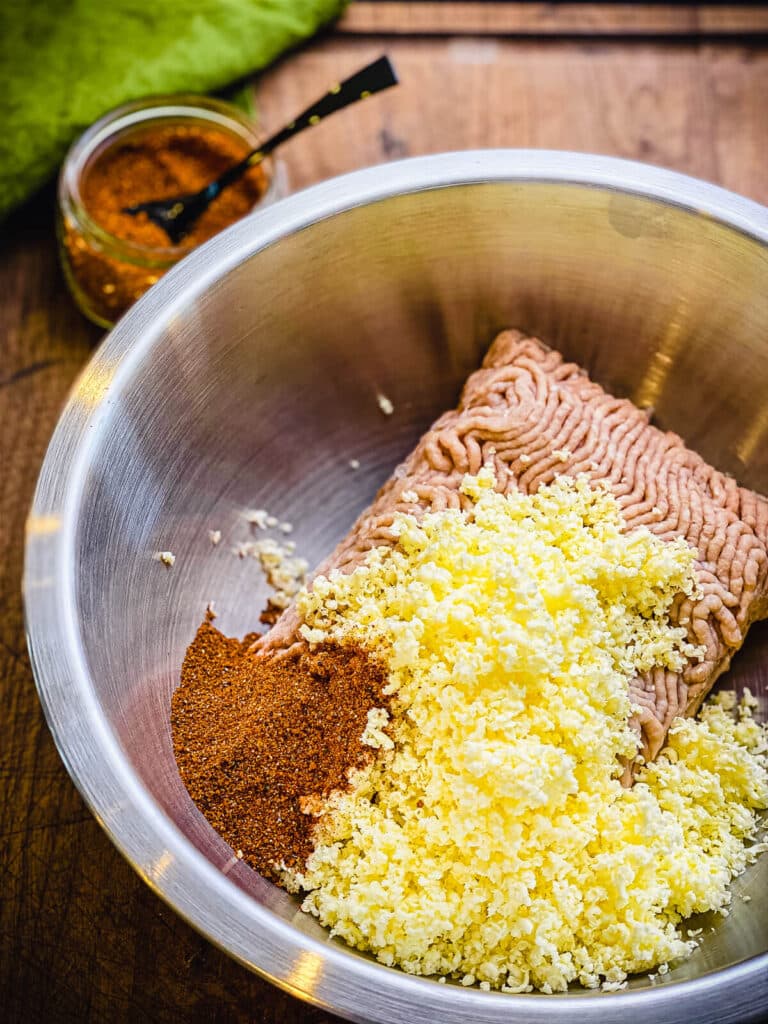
{"points": [[446, 17], [82, 938]]}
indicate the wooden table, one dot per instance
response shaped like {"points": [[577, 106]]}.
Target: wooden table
{"points": [[82, 939]]}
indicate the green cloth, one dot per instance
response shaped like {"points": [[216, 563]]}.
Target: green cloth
{"points": [[64, 63]]}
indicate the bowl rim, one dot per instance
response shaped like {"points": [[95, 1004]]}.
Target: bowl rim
{"points": [[323, 973]]}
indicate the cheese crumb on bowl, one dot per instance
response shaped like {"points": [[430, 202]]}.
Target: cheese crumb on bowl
{"points": [[256, 517], [385, 404], [491, 840]]}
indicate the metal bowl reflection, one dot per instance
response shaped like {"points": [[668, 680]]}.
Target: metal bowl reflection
{"points": [[248, 377]]}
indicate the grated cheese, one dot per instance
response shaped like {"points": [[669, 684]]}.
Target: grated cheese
{"points": [[501, 849], [374, 735], [385, 404], [285, 573], [256, 517]]}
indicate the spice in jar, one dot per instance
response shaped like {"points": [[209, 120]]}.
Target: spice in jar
{"points": [[111, 257], [260, 741]]}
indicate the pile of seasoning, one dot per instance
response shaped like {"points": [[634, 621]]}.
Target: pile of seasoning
{"points": [[111, 258], [260, 742]]}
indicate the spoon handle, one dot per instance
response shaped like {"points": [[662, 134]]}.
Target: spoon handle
{"points": [[368, 80]]}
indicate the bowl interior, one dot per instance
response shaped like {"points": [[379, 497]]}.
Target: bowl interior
{"points": [[262, 388]]}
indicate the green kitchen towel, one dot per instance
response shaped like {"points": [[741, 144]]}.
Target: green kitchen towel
{"points": [[63, 63]]}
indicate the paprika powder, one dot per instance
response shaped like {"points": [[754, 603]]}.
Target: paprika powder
{"points": [[260, 742], [142, 152]]}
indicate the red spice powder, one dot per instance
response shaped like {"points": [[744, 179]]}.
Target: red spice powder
{"points": [[155, 163], [257, 737], [162, 162]]}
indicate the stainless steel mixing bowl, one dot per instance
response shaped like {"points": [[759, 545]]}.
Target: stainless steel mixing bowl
{"points": [[248, 378]]}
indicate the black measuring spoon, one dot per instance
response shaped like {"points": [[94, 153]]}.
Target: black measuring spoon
{"points": [[177, 215]]}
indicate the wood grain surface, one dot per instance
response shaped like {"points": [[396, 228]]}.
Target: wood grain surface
{"points": [[579, 19], [82, 939]]}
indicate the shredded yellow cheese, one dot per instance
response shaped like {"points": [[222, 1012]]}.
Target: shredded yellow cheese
{"points": [[494, 843]]}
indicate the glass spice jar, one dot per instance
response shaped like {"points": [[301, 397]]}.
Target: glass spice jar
{"points": [[149, 149]]}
